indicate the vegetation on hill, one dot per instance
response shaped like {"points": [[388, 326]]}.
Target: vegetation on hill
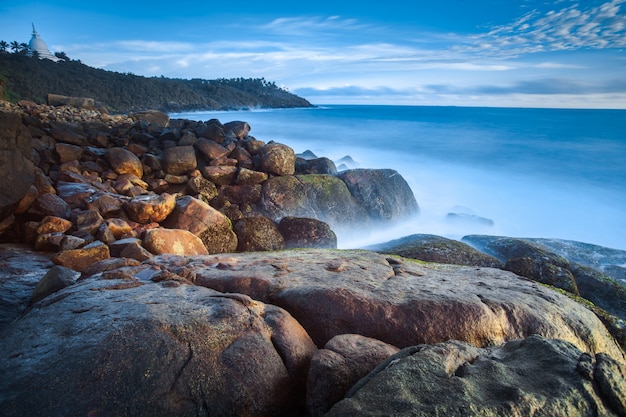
{"points": [[27, 78]]}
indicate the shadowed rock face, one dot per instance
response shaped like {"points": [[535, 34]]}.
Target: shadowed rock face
{"points": [[124, 346], [455, 378], [431, 248]]}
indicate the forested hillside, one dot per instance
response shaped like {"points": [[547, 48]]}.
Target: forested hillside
{"points": [[23, 77]]}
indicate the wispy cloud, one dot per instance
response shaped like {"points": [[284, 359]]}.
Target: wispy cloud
{"points": [[574, 27]]}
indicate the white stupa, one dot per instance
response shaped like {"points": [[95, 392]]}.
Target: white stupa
{"points": [[38, 45]]}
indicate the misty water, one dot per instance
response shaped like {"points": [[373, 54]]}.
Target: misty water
{"points": [[553, 173]]}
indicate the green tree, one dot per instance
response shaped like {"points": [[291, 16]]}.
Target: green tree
{"points": [[62, 56], [15, 46], [4, 45]]}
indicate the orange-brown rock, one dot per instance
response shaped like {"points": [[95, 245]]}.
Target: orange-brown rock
{"points": [[50, 224], [80, 259], [179, 160], [211, 149], [123, 161], [173, 241], [278, 159], [211, 226], [150, 208]]}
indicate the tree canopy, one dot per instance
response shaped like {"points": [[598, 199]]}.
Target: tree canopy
{"points": [[29, 78]]}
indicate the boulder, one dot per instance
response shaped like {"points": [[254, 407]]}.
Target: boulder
{"points": [[123, 346], [321, 197], [154, 117], [78, 102], [342, 363], [68, 153], [80, 259], [384, 193], [247, 176], [543, 260], [123, 161], [211, 149], [22, 268], [403, 303], [57, 278], [16, 170], [315, 166], [303, 232], [50, 205], [212, 227], [179, 160], [278, 159], [532, 376], [238, 128], [150, 208], [220, 175], [431, 248], [258, 233], [173, 241]]}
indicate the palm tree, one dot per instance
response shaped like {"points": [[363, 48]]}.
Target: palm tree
{"points": [[15, 46], [23, 48], [4, 45]]}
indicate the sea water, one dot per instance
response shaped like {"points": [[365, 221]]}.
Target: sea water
{"points": [[553, 173]]}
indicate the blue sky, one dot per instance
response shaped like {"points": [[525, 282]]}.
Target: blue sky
{"points": [[527, 53]]}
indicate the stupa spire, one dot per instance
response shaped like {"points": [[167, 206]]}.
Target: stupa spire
{"points": [[38, 45]]}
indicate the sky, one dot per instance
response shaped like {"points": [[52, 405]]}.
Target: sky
{"points": [[523, 53]]}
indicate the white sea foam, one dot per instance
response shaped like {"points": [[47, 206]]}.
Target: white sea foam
{"points": [[532, 181]]}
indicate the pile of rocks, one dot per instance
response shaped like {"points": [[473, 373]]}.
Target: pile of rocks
{"points": [[92, 186]]}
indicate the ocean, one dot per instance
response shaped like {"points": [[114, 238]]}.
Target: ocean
{"points": [[551, 173]]}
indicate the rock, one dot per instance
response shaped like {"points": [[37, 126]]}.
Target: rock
{"points": [[22, 268], [249, 177], [384, 193], [537, 261], [212, 130], [57, 278], [51, 224], [431, 248], [67, 152], [16, 170], [237, 128], [465, 218], [153, 117], [544, 272], [107, 205], [203, 188], [212, 227], [68, 133], [404, 303], [258, 233], [150, 208], [123, 346], [173, 241], [321, 197], [179, 160], [27, 200], [136, 251], [87, 220], [302, 232], [75, 194], [278, 159], [211, 149], [241, 194], [80, 259], [220, 175], [123, 161], [335, 369], [521, 378], [243, 157], [79, 102], [50, 205], [315, 166]]}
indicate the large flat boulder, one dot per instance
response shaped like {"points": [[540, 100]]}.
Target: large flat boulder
{"points": [[118, 345], [333, 292]]}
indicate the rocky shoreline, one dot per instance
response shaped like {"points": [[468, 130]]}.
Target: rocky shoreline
{"points": [[171, 267]]}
